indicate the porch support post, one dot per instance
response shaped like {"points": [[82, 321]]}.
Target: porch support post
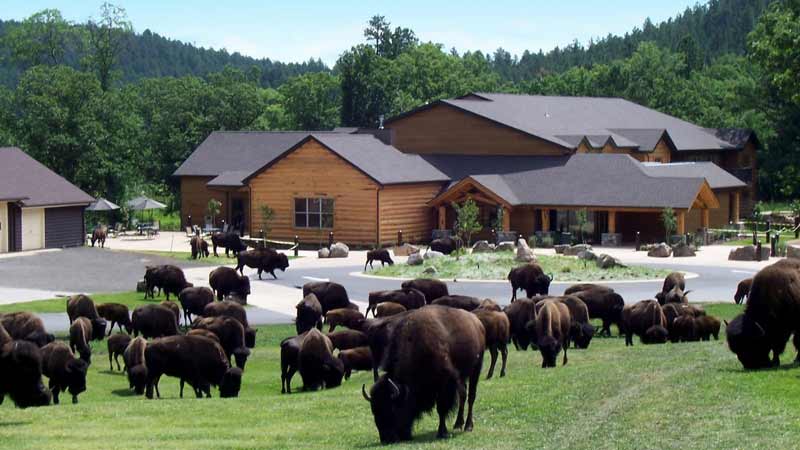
{"points": [[704, 218], [442, 217], [681, 216], [735, 200], [545, 220], [612, 222], [506, 219]]}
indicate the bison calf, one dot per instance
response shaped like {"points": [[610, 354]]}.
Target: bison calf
{"points": [[359, 358], [381, 255], [66, 373], [345, 317], [498, 334], [347, 339], [116, 347], [80, 334], [387, 309], [116, 313]]}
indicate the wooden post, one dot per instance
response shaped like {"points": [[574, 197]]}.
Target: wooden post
{"points": [[681, 222], [330, 239], [735, 208], [442, 217], [506, 219], [400, 238], [612, 221], [545, 220], [704, 218], [296, 246]]}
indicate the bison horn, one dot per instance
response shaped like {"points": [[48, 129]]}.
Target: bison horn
{"points": [[550, 276], [364, 393], [687, 292], [395, 389]]}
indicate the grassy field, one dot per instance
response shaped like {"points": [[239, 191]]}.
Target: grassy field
{"points": [[691, 395], [495, 266], [58, 305]]}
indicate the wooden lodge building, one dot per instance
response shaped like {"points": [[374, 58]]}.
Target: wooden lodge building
{"points": [[535, 160]]}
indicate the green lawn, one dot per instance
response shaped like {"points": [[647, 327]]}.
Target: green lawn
{"points": [[59, 305], [495, 266], [691, 395]]}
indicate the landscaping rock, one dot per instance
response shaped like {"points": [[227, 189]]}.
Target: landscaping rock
{"points": [[587, 255], [339, 250], [607, 262], [430, 270], [482, 247], [683, 251], [524, 252], [405, 250], [505, 246], [560, 249], [792, 252], [661, 250], [323, 253], [748, 253], [414, 259], [433, 254], [141, 286], [575, 249]]}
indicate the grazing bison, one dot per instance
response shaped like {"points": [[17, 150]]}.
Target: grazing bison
{"points": [[359, 358], [671, 281], [585, 287], [199, 247], [387, 309], [235, 310], [529, 278], [330, 295], [193, 301], [671, 312], [82, 306], [742, 291], [684, 329], [26, 326], [498, 333], [176, 310], [645, 319], [230, 241], [135, 364], [381, 255], [263, 259], [116, 313], [65, 372], [708, 326], [316, 364], [464, 302], [550, 328], [152, 321], [519, 314], [80, 334], [603, 304], [771, 316], [432, 289], [346, 317], [170, 279], [197, 360], [116, 347], [290, 350], [347, 339], [445, 245], [410, 298], [581, 331], [433, 353], [99, 236], [21, 372], [309, 314], [224, 281], [231, 336], [378, 333]]}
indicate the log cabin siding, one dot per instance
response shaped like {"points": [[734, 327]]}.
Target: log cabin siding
{"points": [[312, 171], [404, 207], [195, 196], [448, 130]]}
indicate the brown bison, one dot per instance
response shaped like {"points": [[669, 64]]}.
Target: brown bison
{"points": [[65, 372], [116, 313], [197, 360], [290, 350], [176, 310], [26, 326], [21, 372], [410, 298], [445, 245], [152, 321], [519, 314], [224, 281], [387, 309], [378, 333], [116, 347], [432, 289], [203, 332], [684, 329], [347, 339], [359, 358], [603, 304], [309, 314], [82, 306], [742, 291], [585, 287], [346, 317], [464, 302], [262, 259], [673, 290], [230, 241], [498, 334], [550, 329], [199, 247], [235, 310], [193, 302], [381, 255], [581, 331], [80, 334], [330, 295], [99, 236], [530, 278], [645, 319], [135, 364], [434, 357], [708, 326], [315, 361], [170, 279], [489, 305], [231, 336]]}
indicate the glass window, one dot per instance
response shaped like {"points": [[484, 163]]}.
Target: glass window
{"points": [[313, 212]]}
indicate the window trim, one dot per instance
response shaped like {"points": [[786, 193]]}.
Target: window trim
{"points": [[307, 213]]}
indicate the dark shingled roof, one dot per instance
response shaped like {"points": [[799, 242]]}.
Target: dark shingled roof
{"points": [[737, 137], [594, 180], [22, 178], [717, 177]]}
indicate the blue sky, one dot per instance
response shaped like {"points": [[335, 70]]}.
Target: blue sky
{"points": [[299, 30]]}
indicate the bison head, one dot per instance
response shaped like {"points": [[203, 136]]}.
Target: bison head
{"points": [[583, 334], [76, 375], [655, 335], [282, 262], [544, 283], [137, 378], [21, 368], [40, 338], [748, 340], [332, 372], [250, 337], [549, 347], [231, 383], [99, 329], [392, 408], [240, 355]]}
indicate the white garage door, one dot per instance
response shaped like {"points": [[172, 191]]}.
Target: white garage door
{"points": [[32, 228], [3, 227]]}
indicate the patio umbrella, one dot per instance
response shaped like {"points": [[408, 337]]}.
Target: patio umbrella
{"points": [[145, 203], [133, 202], [102, 204]]}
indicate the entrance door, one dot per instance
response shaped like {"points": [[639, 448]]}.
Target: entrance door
{"points": [[4, 227], [237, 214], [32, 228]]}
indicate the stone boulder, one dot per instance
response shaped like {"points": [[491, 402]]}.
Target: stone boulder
{"points": [[524, 252], [141, 286], [482, 247], [661, 250], [560, 249], [605, 261], [575, 249], [433, 254], [505, 246], [748, 253], [339, 250], [405, 250], [323, 253], [683, 251], [792, 252], [414, 259], [587, 255]]}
